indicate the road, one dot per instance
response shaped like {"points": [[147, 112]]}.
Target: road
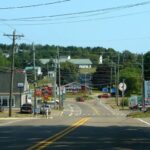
{"points": [[88, 125]]}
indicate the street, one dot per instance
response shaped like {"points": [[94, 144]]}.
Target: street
{"points": [[90, 125]]}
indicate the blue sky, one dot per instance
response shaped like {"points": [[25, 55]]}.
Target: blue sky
{"points": [[121, 29]]}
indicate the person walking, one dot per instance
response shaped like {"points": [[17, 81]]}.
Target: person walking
{"points": [[46, 112]]}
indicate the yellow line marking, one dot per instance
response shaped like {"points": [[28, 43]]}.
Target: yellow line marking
{"points": [[62, 135], [57, 136]]}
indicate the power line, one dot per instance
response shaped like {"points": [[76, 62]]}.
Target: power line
{"points": [[34, 5], [81, 12], [78, 21]]}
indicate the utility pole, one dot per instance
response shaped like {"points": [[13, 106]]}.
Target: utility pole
{"points": [[85, 84], [34, 69], [59, 82], [142, 87], [111, 74], [116, 85], [123, 94], [55, 78], [14, 37], [117, 92]]}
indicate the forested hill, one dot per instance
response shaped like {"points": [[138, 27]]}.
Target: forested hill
{"points": [[50, 51], [129, 65]]}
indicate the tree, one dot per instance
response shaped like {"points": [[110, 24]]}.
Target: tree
{"points": [[3, 61], [101, 78], [147, 66], [69, 73], [132, 76]]}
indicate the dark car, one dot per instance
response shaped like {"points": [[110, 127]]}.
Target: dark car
{"points": [[26, 108]]}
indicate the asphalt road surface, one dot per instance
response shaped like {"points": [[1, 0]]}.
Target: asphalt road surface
{"points": [[88, 125]]}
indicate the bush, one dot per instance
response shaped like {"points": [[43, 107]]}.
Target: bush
{"points": [[79, 99], [124, 102]]}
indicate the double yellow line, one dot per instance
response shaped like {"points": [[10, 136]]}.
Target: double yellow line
{"points": [[45, 143]]}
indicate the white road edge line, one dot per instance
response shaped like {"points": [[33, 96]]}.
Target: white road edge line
{"points": [[71, 110], [106, 107], [143, 121], [61, 113], [7, 123], [79, 110]]}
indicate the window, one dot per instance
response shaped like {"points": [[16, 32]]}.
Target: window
{"points": [[0, 101], [4, 101]]}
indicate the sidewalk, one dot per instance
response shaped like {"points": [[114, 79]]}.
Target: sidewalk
{"points": [[17, 115], [112, 106]]}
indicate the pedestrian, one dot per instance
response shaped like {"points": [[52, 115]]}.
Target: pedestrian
{"points": [[46, 112]]}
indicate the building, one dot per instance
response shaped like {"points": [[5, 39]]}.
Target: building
{"points": [[20, 89], [38, 70], [81, 63]]}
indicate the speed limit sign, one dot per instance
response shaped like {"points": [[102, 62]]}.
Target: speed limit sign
{"points": [[122, 87]]}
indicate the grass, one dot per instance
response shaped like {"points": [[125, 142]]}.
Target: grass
{"points": [[139, 114], [87, 70], [80, 94]]}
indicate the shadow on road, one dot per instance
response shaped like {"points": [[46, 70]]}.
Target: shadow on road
{"points": [[83, 138]]}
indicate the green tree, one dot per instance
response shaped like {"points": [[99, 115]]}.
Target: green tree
{"points": [[147, 66], [69, 73], [3, 61], [101, 78], [132, 77]]}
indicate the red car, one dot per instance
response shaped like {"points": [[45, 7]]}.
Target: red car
{"points": [[105, 95]]}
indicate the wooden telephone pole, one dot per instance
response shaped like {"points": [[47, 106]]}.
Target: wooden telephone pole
{"points": [[14, 37]]}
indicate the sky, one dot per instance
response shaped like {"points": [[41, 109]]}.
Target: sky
{"points": [[119, 24]]}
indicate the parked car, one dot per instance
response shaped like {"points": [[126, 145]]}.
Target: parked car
{"points": [[26, 108], [44, 107], [105, 95]]}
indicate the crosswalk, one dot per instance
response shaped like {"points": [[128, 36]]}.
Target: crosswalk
{"points": [[100, 110]]}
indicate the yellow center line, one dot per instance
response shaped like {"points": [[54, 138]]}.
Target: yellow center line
{"points": [[42, 144]]}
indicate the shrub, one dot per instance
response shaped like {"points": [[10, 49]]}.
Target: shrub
{"points": [[124, 102]]}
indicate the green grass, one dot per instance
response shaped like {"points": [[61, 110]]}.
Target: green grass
{"points": [[139, 114], [80, 94], [87, 70]]}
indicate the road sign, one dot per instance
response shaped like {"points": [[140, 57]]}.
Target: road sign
{"points": [[20, 85], [122, 87], [147, 90]]}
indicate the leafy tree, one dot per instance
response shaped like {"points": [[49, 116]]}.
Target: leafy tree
{"points": [[3, 61], [69, 73], [23, 59], [147, 66], [101, 78], [132, 77]]}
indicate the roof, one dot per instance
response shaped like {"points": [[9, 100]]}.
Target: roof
{"points": [[81, 61], [5, 81], [44, 61], [31, 68], [64, 59]]}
